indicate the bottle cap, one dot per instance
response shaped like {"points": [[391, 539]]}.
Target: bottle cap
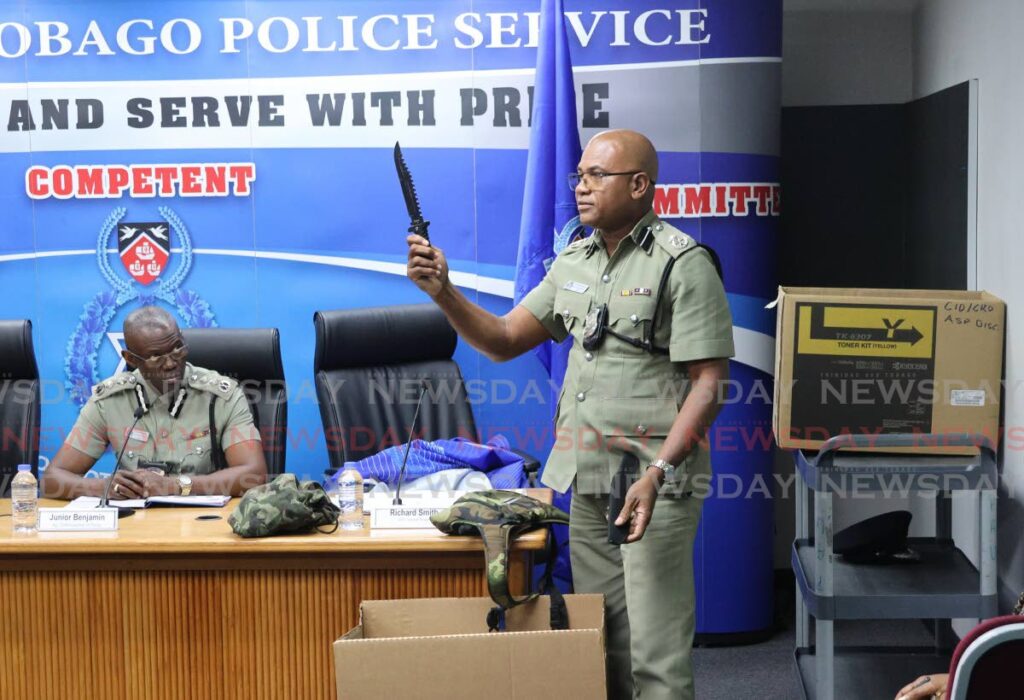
{"points": [[24, 467]]}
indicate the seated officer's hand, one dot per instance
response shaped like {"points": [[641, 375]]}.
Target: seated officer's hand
{"points": [[925, 687], [147, 483], [427, 265], [638, 508], [125, 487]]}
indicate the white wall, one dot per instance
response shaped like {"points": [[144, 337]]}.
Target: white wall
{"points": [[954, 41], [845, 58]]}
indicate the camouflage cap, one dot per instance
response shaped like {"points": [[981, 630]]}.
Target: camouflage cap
{"points": [[497, 516], [283, 506]]}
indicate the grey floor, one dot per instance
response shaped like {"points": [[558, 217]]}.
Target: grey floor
{"points": [[766, 671]]}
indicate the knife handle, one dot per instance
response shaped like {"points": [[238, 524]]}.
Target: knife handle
{"points": [[419, 227]]}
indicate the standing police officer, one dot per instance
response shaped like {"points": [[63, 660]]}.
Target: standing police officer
{"points": [[189, 453], [651, 333]]}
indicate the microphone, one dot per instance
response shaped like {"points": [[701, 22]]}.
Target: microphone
{"points": [[122, 512], [408, 445]]}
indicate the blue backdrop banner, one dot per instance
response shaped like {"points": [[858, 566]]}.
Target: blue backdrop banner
{"points": [[230, 161]]}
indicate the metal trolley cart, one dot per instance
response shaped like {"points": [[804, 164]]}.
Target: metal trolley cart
{"points": [[943, 585]]}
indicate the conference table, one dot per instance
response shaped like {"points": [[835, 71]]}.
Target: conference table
{"points": [[174, 607]]}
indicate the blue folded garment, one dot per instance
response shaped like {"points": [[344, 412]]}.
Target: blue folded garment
{"points": [[503, 467]]}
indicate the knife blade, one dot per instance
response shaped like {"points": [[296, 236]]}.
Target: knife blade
{"points": [[417, 224]]}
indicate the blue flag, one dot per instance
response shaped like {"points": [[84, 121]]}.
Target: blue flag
{"points": [[550, 217]]}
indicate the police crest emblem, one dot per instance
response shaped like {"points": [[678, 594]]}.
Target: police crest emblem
{"points": [[144, 249], [145, 252]]}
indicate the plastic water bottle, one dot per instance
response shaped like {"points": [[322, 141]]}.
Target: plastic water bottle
{"points": [[24, 501], [350, 499]]}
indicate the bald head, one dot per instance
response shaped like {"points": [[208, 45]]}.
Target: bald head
{"points": [[149, 319], [615, 188], [635, 150]]}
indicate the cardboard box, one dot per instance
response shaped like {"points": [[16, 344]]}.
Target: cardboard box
{"points": [[440, 648], [877, 361]]}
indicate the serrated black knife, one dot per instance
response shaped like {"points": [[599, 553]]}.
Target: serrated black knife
{"points": [[417, 224]]}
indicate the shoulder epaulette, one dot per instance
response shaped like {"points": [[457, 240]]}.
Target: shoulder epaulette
{"points": [[114, 385], [577, 245], [210, 381], [671, 240]]}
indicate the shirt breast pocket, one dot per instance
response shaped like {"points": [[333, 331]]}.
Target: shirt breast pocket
{"points": [[631, 317], [572, 309], [135, 448], [197, 457]]}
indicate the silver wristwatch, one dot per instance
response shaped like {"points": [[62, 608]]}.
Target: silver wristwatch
{"points": [[667, 469], [185, 484]]}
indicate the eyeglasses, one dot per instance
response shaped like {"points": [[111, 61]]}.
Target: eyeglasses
{"points": [[176, 355], [594, 180]]}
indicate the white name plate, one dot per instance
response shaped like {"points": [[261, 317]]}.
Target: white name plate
{"points": [[77, 519], [411, 517]]}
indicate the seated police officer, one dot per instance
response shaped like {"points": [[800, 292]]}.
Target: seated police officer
{"points": [[195, 435]]}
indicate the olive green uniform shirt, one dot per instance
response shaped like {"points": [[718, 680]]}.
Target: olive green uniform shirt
{"points": [[184, 441], [619, 397]]}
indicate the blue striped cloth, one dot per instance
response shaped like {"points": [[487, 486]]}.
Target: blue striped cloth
{"points": [[503, 467]]}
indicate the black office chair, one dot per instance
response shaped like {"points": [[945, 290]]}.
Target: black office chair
{"points": [[370, 367], [253, 357], [19, 402]]}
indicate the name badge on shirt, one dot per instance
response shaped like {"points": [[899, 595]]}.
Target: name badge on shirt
{"points": [[577, 287], [139, 435]]}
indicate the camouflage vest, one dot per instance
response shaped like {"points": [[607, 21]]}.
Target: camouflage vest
{"points": [[498, 516], [284, 506]]}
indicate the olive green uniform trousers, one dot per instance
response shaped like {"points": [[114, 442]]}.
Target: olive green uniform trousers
{"points": [[649, 595]]}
